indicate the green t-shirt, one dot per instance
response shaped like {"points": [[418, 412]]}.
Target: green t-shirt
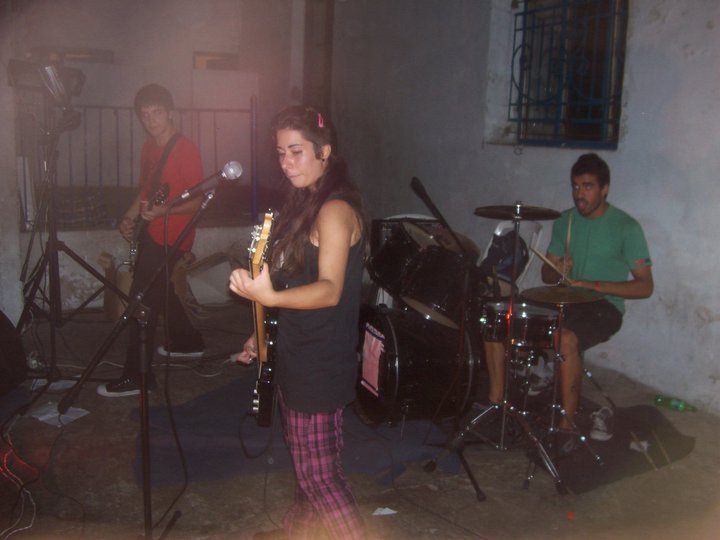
{"points": [[602, 249]]}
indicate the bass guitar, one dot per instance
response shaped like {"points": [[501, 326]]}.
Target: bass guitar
{"points": [[264, 325], [158, 199]]}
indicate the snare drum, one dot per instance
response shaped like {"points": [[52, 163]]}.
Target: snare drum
{"points": [[532, 326]]}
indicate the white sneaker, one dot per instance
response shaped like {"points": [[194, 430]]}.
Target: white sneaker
{"points": [[602, 429], [538, 386]]}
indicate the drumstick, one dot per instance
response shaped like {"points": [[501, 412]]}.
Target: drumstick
{"points": [[567, 246]]}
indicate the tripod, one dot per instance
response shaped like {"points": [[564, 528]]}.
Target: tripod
{"points": [[47, 267], [508, 411]]}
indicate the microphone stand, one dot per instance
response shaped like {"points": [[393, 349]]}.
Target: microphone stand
{"points": [[140, 313], [419, 190], [454, 444]]}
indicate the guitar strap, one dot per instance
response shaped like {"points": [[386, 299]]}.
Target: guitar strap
{"points": [[155, 183], [157, 174]]}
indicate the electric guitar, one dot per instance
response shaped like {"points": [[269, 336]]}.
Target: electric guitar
{"points": [[158, 199], [264, 325]]}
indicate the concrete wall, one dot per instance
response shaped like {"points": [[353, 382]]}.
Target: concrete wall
{"points": [[419, 86]]}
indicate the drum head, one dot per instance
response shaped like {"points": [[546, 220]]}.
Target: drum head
{"points": [[410, 367], [433, 285]]}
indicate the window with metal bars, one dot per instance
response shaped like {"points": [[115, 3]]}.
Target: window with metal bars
{"points": [[567, 70]]}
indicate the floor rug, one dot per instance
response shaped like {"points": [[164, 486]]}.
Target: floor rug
{"points": [[644, 440], [220, 441]]}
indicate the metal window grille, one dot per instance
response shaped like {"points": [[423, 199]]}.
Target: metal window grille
{"points": [[567, 70], [104, 152]]}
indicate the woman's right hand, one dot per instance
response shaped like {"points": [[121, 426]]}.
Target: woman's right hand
{"points": [[249, 352]]}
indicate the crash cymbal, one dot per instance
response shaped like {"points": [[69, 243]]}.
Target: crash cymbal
{"points": [[554, 294], [517, 211]]}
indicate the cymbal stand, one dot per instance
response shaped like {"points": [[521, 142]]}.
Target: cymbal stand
{"points": [[508, 410]]}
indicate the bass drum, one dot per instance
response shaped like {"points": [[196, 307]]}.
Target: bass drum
{"points": [[411, 368]]}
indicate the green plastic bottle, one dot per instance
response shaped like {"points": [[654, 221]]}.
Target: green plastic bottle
{"points": [[674, 403]]}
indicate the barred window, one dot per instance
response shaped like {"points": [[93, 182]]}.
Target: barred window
{"points": [[567, 70]]}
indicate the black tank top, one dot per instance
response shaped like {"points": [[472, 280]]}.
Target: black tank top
{"points": [[317, 362]]}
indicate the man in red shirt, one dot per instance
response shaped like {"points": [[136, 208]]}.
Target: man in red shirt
{"points": [[170, 163]]}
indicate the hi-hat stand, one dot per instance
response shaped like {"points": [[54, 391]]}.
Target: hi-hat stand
{"points": [[509, 413]]}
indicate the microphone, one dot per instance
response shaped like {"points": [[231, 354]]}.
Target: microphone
{"points": [[231, 171]]}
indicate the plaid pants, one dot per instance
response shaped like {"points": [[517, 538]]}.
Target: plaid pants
{"points": [[322, 492]]}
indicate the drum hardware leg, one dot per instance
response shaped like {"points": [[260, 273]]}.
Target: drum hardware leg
{"points": [[456, 444], [575, 432], [599, 388]]}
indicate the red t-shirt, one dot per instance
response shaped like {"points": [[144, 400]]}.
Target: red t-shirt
{"points": [[182, 170]]}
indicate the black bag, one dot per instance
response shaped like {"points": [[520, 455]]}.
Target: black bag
{"points": [[499, 259], [13, 366]]}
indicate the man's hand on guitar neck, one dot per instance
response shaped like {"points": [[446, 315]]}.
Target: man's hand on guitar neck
{"points": [[149, 212], [127, 228]]}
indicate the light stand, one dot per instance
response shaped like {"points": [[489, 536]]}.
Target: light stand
{"points": [[48, 264]]}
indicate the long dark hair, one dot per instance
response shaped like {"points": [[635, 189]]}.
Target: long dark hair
{"points": [[302, 206]]}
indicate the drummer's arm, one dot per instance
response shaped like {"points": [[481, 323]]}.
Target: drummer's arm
{"points": [[548, 274], [640, 286]]}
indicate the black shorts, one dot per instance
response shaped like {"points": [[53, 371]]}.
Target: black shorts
{"points": [[592, 322]]}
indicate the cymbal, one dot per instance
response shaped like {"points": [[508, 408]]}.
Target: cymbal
{"points": [[516, 211], [554, 294]]}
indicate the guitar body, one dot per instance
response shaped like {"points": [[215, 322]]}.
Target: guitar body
{"points": [[264, 393], [158, 199], [265, 324]]}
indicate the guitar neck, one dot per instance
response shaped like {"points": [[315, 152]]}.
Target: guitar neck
{"points": [[140, 225], [259, 322]]}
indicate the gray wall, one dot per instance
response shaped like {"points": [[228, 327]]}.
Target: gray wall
{"points": [[420, 90]]}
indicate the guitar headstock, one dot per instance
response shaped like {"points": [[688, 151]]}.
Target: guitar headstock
{"points": [[260, 237]]}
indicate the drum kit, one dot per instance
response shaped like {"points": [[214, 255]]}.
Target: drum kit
{"points": [[418, 350]]}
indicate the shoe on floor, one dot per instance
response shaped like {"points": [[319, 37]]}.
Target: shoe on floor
{"points": [[602, 429], [180, 353], [123, 387], [538, 385], [565, 443]]}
